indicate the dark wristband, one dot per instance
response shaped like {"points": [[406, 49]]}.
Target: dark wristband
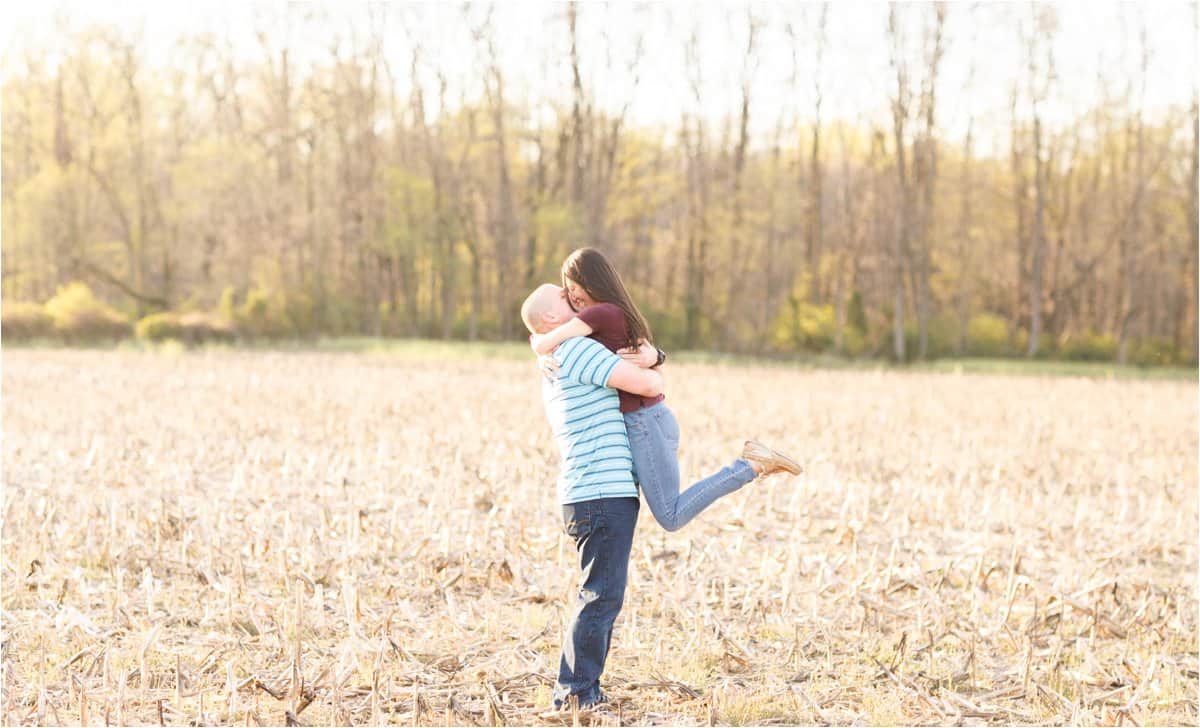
{"points": [[662, 357]]}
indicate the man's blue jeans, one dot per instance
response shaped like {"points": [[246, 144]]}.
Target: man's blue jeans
{"points": [[654, 443], [603, 534]]}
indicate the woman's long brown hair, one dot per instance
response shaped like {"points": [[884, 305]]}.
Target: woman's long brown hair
{"points": [[591, 271]]}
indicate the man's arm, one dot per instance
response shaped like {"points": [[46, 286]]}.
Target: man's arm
{"points": [[588, 362], [635, 380]]}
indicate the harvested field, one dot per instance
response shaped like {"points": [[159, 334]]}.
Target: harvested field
{"points": [[261, 538]]}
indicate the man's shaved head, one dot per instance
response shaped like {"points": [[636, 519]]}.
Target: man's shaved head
{"points": [[545, 299]]}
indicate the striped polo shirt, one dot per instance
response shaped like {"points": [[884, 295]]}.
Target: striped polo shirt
{"points": [[585, 417]]}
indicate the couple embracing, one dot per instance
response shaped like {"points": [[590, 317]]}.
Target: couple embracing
{"points": [[603, 394]]}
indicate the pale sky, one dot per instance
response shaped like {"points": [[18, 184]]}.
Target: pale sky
{"points": [[531, 38]]}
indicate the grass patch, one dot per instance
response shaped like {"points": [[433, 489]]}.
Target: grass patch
{"points": [[517, 350], [1100, 370], [426, 348], [440, 350]]}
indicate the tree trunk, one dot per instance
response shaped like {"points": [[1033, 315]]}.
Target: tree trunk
{"points": [[1019, 194], [738, 238], [1187, 317], [505, 232], [964, 243], [1039, 240], [903, 195], [928, 183]]}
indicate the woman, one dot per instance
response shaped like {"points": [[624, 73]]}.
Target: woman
{"points": [[608, 315]]}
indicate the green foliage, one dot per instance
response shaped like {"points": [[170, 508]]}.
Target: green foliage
{"points": [[801, 326], [265, 315], [337, 315], [1188, 356], [1153, 352], [856, 313], [315, 228], [1047, 347], [227, 307], [668, 327], [1020, 343], [940, 336], [253, 311], [299, 312], [80, 317], [159, 327], [390, 319], [23, 321], [204, 328], [854, 342], [194, 328], [397, 320], [486, 326], [553, 222], [1090, 346], [987, 335]]}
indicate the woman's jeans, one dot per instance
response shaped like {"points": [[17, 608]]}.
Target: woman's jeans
{"points": [[603, 533], [654, 442]]}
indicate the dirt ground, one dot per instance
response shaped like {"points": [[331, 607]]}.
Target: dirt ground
{"points": [[262, 538]]}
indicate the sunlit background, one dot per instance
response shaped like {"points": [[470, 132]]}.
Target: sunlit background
{"points": [[411, 169], [274, 449]]}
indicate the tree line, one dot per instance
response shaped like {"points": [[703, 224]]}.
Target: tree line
{"points": [[353, 192]]}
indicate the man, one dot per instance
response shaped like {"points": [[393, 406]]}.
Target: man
{"points": [[595, 486]]}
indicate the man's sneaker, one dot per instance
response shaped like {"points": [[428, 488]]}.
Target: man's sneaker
{"points": [[771, 461], [600, 699]]}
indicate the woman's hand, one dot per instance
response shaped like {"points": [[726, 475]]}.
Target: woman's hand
{"points": [[645, 356], [548, 366]]}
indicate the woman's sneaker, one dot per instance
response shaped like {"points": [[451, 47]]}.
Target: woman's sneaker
{"points": [[772, 461]]}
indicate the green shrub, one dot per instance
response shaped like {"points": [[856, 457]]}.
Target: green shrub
{"points": [[486, 326], [254, 308], [190, 328], [1188, 356], [80, 317], [940, 338], [1152, 352], [878, 341], [1089, 346], [159, 327], [203, 328], [299, 313], [268, 313], [856, 313], [853, 341], [1020, 343], [802, 326], [227, 306], [389, 319], [263, 315], [23, 320], [667, 327], [987, 336], [1048, 349], [338, 317]]}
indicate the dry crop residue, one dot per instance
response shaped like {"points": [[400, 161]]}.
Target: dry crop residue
{"points": [[338, 538]]}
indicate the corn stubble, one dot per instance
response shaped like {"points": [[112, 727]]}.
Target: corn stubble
{"points": [[317, 539]]}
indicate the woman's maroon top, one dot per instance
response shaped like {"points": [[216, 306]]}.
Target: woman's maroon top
{"points": [[609, 328]]}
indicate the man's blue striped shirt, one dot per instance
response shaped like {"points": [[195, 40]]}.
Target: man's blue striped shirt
{"points": [[585, 416]]}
